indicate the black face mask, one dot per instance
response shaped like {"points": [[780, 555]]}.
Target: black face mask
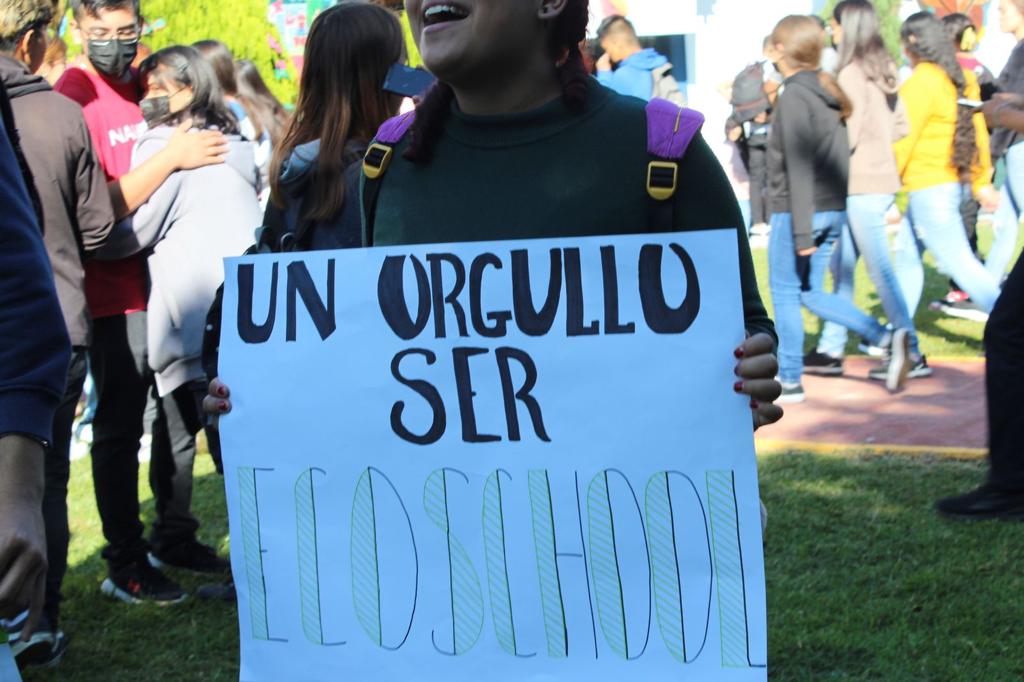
{"points": [[155, 110], [113, 57]]}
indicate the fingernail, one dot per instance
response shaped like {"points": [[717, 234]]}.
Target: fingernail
{"points": [[739, 353], [222, 406], [222, 392], [754, 405], [738, 387]]}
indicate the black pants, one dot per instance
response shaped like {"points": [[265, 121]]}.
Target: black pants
{"points": [[123, 381], [178, 420], [1004, 347], [55, 496], [757, 168]]}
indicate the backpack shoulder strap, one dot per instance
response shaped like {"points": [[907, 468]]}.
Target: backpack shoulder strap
{"points": [[375, 165], [670, 130]]}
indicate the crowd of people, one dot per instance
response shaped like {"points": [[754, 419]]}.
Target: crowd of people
{"points": [[844, 155], [150, 169]]}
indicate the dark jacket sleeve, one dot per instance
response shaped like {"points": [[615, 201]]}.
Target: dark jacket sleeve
{"points": [[94, 212], [709, 202], [794, 118], [34, 345]]}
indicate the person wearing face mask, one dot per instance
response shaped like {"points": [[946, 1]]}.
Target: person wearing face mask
{"points": [[186, 228], [108, 90]]}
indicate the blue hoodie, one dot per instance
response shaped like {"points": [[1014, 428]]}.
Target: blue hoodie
{"points": [[634, 76], [34, 345]]}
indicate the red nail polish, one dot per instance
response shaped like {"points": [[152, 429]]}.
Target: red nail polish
{"points": [[754, 405], [222, 406], [222, 392], [738, 387], [739, 353]]}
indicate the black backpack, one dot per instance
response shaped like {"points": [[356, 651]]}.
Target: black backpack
{"points": [[748, 96]]}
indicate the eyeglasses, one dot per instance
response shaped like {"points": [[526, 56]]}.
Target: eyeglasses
{"points": [[127, 35]]}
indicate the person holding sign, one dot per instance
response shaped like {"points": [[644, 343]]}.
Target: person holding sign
{"points": [[808, 168], [516, 141]]}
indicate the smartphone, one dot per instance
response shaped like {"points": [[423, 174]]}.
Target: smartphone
{"points": [[406, 81], [972, 104]]}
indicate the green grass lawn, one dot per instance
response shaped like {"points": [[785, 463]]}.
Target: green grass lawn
{"points": [[865, 582]]}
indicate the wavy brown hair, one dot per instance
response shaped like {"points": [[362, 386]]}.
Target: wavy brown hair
{"points": [[925, 38], [568, 32], [802, 40], [350, 48]]}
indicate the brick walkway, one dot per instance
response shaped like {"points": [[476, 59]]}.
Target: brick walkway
{"points": [[944, 414]]}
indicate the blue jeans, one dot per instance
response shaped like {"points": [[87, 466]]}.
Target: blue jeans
{"points": [[934, 223], [1007, 218], [865, 235], [799, 281]]}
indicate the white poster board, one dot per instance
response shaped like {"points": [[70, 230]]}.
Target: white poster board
{"points": [[493, 461]]}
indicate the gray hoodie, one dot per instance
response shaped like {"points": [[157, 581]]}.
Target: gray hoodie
{"points": [[195, 220]]}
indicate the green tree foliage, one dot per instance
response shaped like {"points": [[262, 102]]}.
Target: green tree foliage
{"points": [[888, 15], [242, 25]]}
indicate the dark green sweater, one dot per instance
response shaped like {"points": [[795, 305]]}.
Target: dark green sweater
{"points": [[552, 173]]}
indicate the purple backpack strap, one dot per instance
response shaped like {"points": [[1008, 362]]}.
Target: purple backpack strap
{"points": [[379, 154], [671, 129], [394, 129]]}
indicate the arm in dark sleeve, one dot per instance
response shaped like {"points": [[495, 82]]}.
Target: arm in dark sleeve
{"points": [[798, 149], [95, 212], [34, 345], [706, 201]]}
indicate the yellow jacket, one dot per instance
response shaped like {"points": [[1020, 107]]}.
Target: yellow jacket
{"points": [[925, 156]]}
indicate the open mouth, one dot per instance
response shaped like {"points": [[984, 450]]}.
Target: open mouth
{"points": [[446, 13]]}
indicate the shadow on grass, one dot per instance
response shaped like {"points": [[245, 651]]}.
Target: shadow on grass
{"points": [[111, 641], [866, 582]]}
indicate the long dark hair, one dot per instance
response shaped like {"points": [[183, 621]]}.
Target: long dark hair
{"points": [[350, 48], [925, 38], [267, 113], [181, 66], [802, 41], [567, 34], [957, 25], [862, 42]]}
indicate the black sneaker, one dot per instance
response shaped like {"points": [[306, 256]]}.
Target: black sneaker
{"points": [[792, 394], [823, 365], [44, 648], [141, 583], [190, 556], [919, 369], [987, 502], [224, 591]]}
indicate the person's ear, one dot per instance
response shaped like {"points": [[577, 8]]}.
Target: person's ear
{"points": [[551, 9], [23, 49]]}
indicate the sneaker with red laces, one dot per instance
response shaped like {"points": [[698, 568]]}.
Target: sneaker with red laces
{"points": [[141, 583]]}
